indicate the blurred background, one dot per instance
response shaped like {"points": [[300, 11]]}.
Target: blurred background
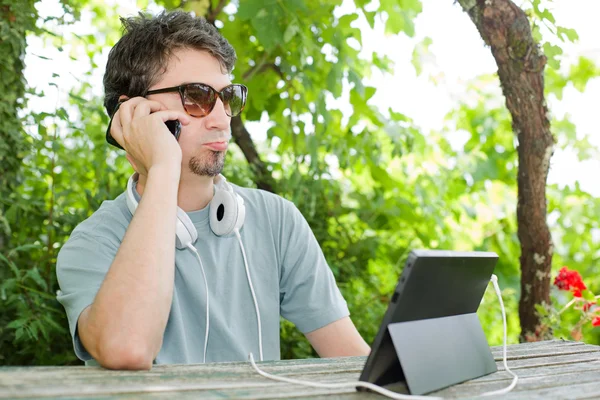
{"points": [[383, 121]]}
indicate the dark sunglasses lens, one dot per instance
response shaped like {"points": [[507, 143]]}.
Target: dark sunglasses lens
{"points": [[199, 100], [234, 99]]}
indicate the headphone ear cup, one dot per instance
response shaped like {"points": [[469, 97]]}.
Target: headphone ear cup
{"points": [[241, 212], [223, 212]]}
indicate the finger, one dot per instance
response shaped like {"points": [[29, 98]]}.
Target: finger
{"points": [[147, 107], [171, 115], [126, 110], [116, 131]]}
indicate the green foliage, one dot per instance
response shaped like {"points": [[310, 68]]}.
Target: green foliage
{"points": [[371, 184], [14, 22], [547, 33], [65, 177]]}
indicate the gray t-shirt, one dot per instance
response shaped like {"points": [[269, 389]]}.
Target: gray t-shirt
{"points": [[289, 273]]}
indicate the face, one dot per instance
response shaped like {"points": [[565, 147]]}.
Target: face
{"points": [[204, 141]]}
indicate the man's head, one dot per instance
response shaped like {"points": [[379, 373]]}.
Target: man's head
{"points": [[167, 50]]}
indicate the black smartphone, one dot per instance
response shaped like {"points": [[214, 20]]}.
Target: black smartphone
{"points": [[174, 126]]}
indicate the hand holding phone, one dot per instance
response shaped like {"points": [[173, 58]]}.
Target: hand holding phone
{"points": [[173, 125], [138, 126]]}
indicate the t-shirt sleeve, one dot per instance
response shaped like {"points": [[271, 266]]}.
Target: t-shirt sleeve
{"points": [[309, 296], [81, 266]]}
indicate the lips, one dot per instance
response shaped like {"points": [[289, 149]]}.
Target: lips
{"points": [[217, 146]]}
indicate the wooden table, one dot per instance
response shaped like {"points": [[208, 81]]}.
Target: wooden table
{"points": [[552, 369]]}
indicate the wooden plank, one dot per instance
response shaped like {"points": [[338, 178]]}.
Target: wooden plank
{"points": [[544, 343], [542, 367], [83, 375], [545, 370], [544, 352], [258, 387], [530, 387], [550, 360]]}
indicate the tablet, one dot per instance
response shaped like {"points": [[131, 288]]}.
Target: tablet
{"points": [[434, 284]]}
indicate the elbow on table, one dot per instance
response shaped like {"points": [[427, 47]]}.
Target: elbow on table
{"points": [[128, 356]]}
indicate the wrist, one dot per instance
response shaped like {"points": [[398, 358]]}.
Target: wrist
{"points": [[167, 172]]}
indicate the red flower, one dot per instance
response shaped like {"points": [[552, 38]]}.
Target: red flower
{"points": [[569, 280], [588, 305], [596, 321]]}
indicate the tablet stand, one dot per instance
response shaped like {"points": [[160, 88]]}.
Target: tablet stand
{"points": [[438, 352]]}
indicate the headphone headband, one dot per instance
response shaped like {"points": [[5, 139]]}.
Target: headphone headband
{"points": [[227, 211]]}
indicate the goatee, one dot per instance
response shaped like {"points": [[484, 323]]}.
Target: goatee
{"points": [[210, 165]]}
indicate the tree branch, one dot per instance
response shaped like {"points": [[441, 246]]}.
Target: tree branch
{"points": [[213, 14], [505, 28], [260, 66], [242, 138]]}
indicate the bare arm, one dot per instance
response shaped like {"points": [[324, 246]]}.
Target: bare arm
{"points": [[338, 339], [124, 326]]}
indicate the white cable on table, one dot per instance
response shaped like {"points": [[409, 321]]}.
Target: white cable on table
{"points": [[386, 392], [343, 385]]}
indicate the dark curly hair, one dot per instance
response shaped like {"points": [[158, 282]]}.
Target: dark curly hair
{"points": [[141, 56]]}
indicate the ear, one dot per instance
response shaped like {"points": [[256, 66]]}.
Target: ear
{"points": [[123, 98]]}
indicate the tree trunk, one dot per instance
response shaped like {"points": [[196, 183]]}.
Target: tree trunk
{"points": [[505, 28], [241, 136]]}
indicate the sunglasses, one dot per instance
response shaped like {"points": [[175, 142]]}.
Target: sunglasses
{"points": [[199, 99]]}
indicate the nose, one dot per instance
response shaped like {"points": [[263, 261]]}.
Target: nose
{"points": [[218, 118]]}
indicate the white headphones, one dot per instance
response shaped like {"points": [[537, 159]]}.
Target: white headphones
{"points": [[227, 212]]}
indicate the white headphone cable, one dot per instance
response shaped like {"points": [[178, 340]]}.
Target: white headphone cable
{"points": [[260, 349], [191, 247], [366, 385], [515, 377], [386, 392]]}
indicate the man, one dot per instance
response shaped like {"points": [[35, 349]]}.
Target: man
{"points": [[132, 298]]}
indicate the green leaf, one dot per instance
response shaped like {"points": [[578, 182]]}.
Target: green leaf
{"points": [[33, 330], [267, 28], [17, 323], [53, 324], [588, 295], [552, 52], [19, 334], [24, 247], [250, 8], [11, 265], [401, 14], [354, 77], [582, 72], [291, 31], [570, 34], [369, 92], [34, 274], [334, 80], [541, 310], [11, 213], [421, 51], [62, 114], [370, 16]]}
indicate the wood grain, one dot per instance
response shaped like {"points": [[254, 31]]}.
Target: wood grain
{"points": [[550, 369]]}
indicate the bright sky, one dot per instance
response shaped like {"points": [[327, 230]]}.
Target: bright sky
{"points": [[455, 40]]}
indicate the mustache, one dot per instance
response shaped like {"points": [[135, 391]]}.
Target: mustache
{"points": [[219, 136]]}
